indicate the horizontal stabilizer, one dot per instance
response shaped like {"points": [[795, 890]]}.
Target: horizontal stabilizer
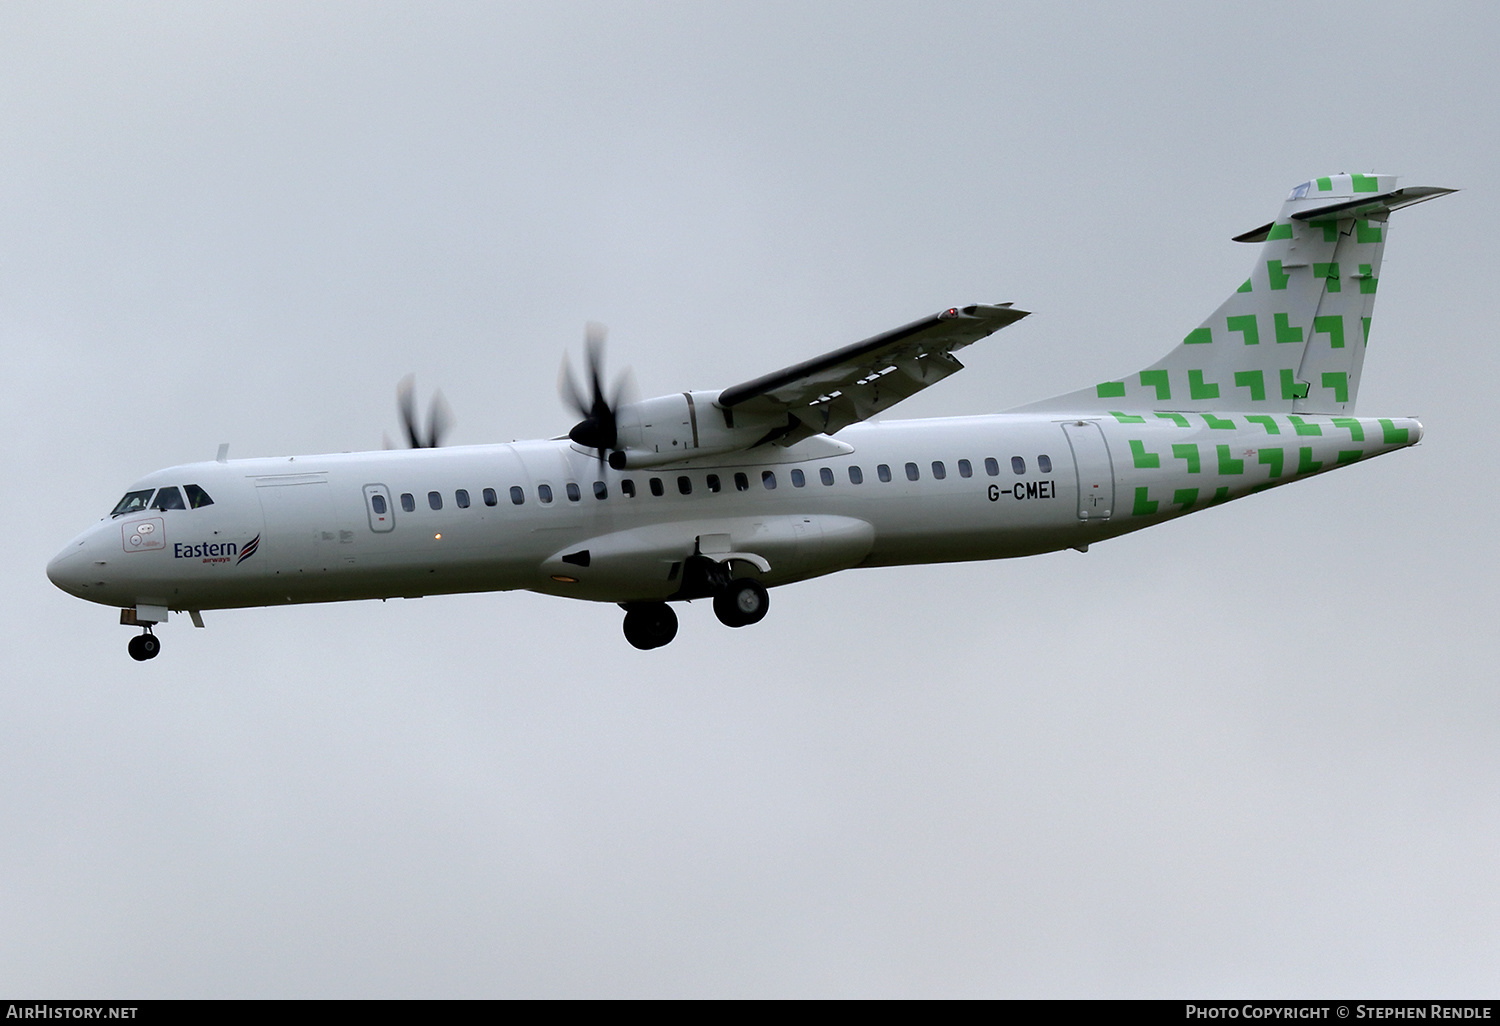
{"points": [[1374, 208]]}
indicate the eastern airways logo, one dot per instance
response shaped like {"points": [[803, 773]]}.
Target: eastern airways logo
{"points": [[217, 552]]}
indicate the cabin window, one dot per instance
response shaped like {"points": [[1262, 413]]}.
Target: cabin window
{"points": [[601, 490], [461, 498], [1044, 464], [627, 488], [656, 487], [741, 483], [408, 502], [544, 492], [965, 468], [685, 485], [798, 479], [1018, 464], [856, 476], [938, 470], [197, 497], [377, 503], [883, 472], [169, 498], [435, 500], [133, 502], [573, 493], [713, 482], [768, 478], [490, 498], [912, 473], [991, 466], [825, 474], [517, 495]]}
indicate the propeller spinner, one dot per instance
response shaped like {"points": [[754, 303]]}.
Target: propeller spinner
{"points": [[598, 429]]}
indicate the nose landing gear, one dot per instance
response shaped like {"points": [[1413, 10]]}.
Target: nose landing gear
{"points": [[144, 646]]}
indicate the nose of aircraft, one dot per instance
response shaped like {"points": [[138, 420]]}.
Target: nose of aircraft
{"points": [[69, 569]]}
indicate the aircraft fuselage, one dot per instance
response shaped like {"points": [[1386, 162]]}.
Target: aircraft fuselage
{"points": [[433, 521]]}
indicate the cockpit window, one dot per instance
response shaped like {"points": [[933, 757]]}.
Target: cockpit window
{"points": [[169, 498], [133, 502], [197, 497]]}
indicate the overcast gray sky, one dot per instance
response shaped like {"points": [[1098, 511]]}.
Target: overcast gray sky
{"points": [[1253, 752]]}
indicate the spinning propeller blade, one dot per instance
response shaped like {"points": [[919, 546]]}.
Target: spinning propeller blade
{"points": [[439, 416], [598, 429]]}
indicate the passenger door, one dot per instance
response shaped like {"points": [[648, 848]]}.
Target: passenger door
{"points": [[379, 509]]}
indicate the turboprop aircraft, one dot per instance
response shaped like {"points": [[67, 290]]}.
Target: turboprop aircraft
{"points": [[722, 494]]}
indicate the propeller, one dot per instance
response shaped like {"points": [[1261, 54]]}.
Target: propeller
{"points": [[598, 430], [439, 416]]}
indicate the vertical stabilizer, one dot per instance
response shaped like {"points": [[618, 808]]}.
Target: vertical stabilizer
{"points": [[1292, 338]]}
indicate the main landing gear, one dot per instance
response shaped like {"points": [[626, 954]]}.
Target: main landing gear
{"points": [[741, 602], [737, 603], [144, 646], [649, 624]]}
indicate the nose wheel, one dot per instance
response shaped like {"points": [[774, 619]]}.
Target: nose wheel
{"points": [[143, 647]]}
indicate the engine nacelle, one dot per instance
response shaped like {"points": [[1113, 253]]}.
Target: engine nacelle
{"points": [[684, 426]]}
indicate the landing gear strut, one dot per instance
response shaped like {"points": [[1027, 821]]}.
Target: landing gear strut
{"points": [[741, 602], [144, 646], [649, 624]]}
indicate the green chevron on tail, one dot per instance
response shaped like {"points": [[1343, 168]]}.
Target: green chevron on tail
{"points": [[1292, 338]]}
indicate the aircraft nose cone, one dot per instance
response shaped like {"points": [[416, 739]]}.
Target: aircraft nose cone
{"points": [[69, 568]]}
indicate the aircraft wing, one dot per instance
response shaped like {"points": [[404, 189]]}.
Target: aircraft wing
{"points": [[832, 391]]}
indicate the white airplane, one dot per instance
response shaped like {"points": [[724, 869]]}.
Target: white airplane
{"points": [[722, 494]]}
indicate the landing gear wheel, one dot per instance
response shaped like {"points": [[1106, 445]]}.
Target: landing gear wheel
{"points": [[650, 624], [742, 603], [143, 647]]}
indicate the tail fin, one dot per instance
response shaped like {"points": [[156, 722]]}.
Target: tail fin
{"points": [[1292, 338]]}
